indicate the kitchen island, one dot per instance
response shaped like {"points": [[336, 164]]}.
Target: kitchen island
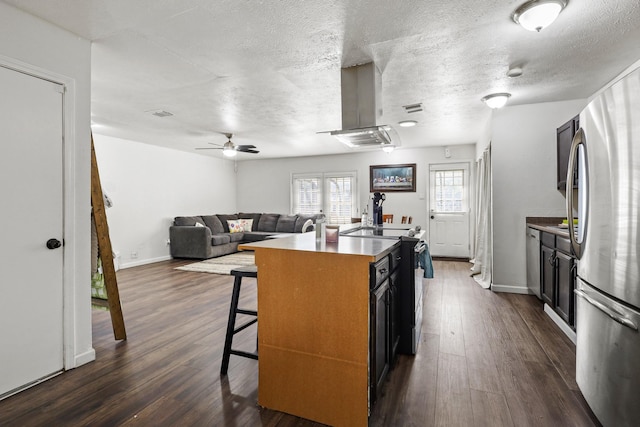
{"points": [[314, 325]]}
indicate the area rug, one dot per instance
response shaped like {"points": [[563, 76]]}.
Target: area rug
{"points": [[221, 265]]}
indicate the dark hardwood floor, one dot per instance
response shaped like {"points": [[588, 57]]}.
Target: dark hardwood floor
{"points": [[486, 359]]}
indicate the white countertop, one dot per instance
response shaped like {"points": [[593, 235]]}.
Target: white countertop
{"points": [[370, 247]]}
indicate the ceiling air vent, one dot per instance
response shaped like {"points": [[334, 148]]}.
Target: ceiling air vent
{"points": [[161, 113], [413, 108]]}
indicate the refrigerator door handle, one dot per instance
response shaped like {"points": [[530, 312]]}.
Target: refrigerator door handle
{"points": [[578, 139], [618, 317]]}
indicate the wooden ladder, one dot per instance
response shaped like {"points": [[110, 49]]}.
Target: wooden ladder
{"points": [[106, 252]]}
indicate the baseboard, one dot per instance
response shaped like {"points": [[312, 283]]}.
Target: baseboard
{"points": [[510, 289], [84, 358], [449, 258], [570, 333], [144, 261]]}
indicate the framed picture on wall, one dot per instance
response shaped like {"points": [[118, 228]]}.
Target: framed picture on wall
{"points": [[385, 178]]}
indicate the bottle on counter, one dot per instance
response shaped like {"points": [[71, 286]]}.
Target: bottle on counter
{"points": [[363, 221], [320, 222]]}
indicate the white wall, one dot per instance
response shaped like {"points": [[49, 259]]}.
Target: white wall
{"points": [[264, 185], [45, 50], [150, 185], [523, 150]]}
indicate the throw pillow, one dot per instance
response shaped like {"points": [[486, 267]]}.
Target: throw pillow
{"points": [[235, 226], [307, 225], [224, 218], [254, 216], [301, 221], [246, 224]]}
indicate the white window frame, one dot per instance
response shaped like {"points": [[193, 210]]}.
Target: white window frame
{"points": [[294, 203], [465, 185], [324, 194]]}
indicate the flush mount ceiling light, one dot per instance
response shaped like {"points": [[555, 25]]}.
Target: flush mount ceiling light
{"points": [[407, 123], [535, 15], [388, 148], [496, 100], [514, 72]]}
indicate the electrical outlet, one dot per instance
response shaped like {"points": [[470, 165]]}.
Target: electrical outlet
{"points": [[168, 242], [134, 255]]}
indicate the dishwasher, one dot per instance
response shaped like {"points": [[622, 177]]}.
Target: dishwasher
{"points": [[533, 261]]}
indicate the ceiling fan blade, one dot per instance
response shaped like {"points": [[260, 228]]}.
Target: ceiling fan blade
{"points": [[208, 148], [249, 151], [244, 148]]}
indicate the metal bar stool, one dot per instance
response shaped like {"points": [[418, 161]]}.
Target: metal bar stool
{"points": [[238, 273]]}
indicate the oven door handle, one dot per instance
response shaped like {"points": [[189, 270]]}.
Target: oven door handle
{"points": [[420, 247]]}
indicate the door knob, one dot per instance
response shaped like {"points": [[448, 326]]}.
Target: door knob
{"points": [[432, 217], [53, 243]]}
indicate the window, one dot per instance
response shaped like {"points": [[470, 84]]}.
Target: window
{"points": [[306, 193], [448, 189], [333, 193]]}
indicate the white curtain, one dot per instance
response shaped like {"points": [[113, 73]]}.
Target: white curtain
{"points": [[482, 263]]}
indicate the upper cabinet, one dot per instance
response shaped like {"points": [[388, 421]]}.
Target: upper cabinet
{"points": [[565, 135]]}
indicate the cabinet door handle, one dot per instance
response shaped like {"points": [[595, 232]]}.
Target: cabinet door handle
{"points": [[382, 271], [552, 260]]}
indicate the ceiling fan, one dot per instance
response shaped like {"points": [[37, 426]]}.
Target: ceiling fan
{"points": [[229, 149]]}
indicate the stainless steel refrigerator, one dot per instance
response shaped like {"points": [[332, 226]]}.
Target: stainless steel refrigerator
{"points": [[606, 242]]}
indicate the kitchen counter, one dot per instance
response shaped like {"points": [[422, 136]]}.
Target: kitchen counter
{"points": [[374, 249], [313, 328], [549, 225]]}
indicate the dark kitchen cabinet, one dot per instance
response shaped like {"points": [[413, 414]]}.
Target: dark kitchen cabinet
{"points": [[394, 314], [380, 326], [557, 274], [380, 338], [391, 278], [564, 137], [547, 274], [565, 282], [395, 258]]}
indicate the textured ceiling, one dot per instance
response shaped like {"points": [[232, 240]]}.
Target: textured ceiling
{"points": [[269, 71]]}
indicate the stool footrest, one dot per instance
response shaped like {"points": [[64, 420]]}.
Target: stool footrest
{"points": [[244, 354], [244, 326], [249, 312]]}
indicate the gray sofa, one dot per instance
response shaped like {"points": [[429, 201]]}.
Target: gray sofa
{"points": [[208, 236]]}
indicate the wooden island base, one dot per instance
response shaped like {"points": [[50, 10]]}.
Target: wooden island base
{"points": [[313, 328]]}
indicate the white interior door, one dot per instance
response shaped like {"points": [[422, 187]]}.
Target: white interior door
{"points": [[31, 181], [449, 210]]}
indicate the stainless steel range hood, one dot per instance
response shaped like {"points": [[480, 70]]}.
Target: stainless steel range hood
{"points": [[361, 86]]}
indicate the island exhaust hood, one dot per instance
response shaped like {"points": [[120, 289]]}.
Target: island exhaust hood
{"points": [[361, 86]]}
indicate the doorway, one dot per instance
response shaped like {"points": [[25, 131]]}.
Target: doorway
{"points": [[449, 209], [31, 186]]}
